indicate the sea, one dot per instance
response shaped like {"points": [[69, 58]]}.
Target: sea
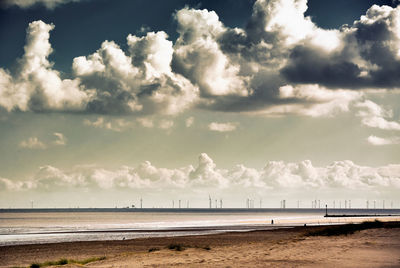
{"points": [[37, 226]]}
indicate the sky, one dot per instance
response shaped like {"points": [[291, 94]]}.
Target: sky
{"points": [[105, 102]]}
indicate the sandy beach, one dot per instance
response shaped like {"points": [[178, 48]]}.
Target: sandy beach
{"points": [[275, 248]]}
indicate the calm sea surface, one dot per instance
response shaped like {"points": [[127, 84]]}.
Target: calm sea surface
{"points": [[48, 227]]}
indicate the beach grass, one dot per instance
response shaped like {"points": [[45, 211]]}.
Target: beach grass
{"points": [[181, 247], [351, 228], [177, 247], [153, 249], [66, 261]]}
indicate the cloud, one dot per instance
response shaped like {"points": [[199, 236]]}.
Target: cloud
{"points": [[189, 121], [274, 175], [280, 47], [60, 139], [35, 143], [145, 122], [166, 124], [198, 56], [378, 141], [50, 4], [137, 82], [120, 124], [379, 122], [279, 63], [313, 101], [374, 115], [32, 143], [10, 185], [117, 125], [149, 122], [368, 55], [36, 86], [108, 81], [222, 127]]}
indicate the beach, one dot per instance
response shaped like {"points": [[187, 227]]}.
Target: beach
{"points": [[288, 247]]}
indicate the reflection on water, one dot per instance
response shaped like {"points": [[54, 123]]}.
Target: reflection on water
{"points": [[28, 228]]}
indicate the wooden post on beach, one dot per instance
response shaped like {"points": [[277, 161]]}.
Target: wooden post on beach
{"points": [[326, 210]]}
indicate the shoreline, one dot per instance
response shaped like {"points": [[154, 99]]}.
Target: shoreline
{"points": [[115, 234], [239, 245]]}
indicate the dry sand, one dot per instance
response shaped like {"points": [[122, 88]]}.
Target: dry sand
{"points": [[277, 248]]}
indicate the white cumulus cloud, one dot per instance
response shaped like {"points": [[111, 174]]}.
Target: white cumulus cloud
{"points": [[60, 139], [138, 81], [206, 175], [378, 141], [35, 143], [32, 143], [222, 127], [117, 125], [189, 121], [36, 86], [375, 116]]}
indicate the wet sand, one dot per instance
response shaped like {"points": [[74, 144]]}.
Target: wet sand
{"points": [[274, 248]]}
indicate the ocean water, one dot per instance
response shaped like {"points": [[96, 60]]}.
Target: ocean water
{"points": [[41, 226]]}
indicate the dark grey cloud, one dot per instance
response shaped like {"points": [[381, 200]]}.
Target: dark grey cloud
{"points": [[311, 65], [369, 56]]}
